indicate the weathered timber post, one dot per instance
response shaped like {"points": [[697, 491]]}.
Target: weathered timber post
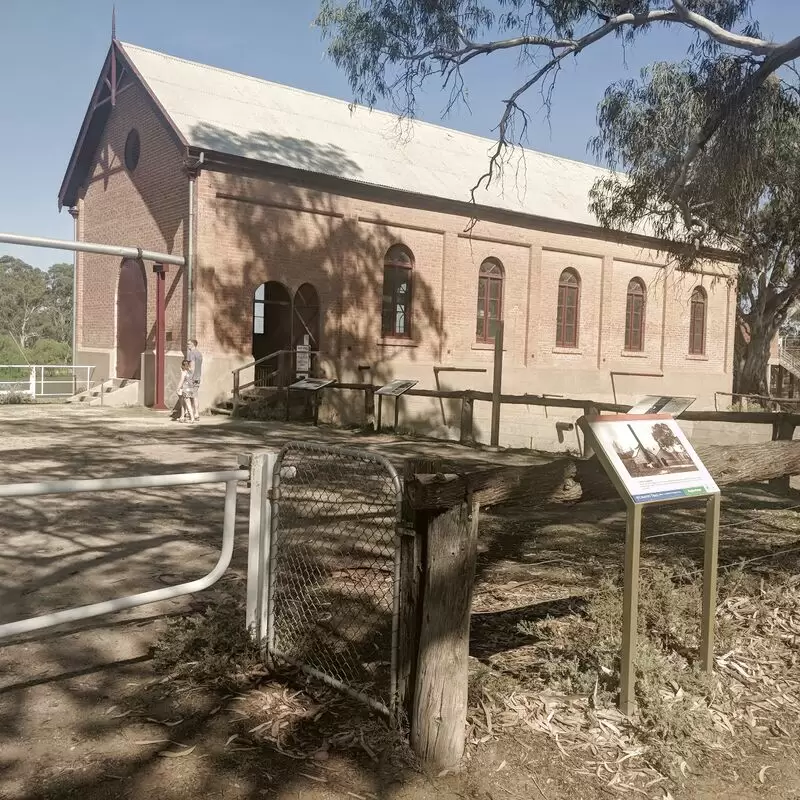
{"points": [[497, 383], [589, 411], [369, 407], [438, 721], [467, 430], [782, 431], [412, 544]]}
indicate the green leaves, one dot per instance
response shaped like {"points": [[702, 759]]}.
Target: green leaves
{"points": [[35, 311]]}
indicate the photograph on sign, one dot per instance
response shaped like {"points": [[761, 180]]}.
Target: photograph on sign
{"points": [[652, 457], [312, 384], [655, 404], [396, 388]]}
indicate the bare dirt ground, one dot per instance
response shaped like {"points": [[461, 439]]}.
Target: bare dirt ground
{"points": [[83, 712]]}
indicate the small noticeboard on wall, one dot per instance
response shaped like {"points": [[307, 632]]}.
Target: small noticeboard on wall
{"points": [[650, 457]]}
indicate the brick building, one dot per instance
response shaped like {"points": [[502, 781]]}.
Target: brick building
{"points": [[301, 216]]}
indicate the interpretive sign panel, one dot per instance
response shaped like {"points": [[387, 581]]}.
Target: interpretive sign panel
{"points": [[651, 457], [655, 404], [312, 384], [396, 388]]}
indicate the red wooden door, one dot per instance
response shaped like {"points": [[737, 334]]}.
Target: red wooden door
{"points": [[131, 319]]}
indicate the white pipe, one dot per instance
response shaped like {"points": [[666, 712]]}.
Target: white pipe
{"points": [[190, 249], [109, 484], [76, 236], [90, 247], [189, 263], [81, 613]]}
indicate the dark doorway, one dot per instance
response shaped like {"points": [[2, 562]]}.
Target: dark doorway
{"points": [[272, 327], [131, 319]]}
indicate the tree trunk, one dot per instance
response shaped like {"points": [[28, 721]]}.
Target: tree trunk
{"points": [[751, 374]]}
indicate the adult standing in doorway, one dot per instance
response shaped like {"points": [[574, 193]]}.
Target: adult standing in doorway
{"points": [[195, 358]]}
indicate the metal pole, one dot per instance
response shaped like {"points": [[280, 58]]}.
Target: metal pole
{"points": [[380, 409], [74, 214], [630, 611], [160, 271], [710, 556], [497, 383], [262, 471], [91, 247], [190, 264]]}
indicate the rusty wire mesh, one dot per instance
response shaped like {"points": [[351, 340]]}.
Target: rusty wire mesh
{"points": [[334, 568]]}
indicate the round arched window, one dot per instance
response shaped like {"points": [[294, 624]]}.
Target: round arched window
{"points": [[133, 147]]}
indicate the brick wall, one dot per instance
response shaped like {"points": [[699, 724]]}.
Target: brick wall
{"points": [[145, 208], [252, 230]]}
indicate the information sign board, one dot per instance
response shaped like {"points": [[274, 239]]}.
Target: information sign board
{"points": [[650, 457], [312, 384], [396, 388], [655, 404], [303, 359]]}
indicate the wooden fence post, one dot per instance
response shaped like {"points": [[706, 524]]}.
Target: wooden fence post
{"points": [[497, 383], [369, 407], [589, 411], [412, 544], [467, 426], [782, 431], [438, 722]]}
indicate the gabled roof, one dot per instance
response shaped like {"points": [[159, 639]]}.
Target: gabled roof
{"points": [[236, 115]]}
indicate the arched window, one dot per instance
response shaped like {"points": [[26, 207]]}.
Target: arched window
{"points": [[634, 316], [258, 310], [398, 265], [697, 322], [569, 298], [490, 300]]}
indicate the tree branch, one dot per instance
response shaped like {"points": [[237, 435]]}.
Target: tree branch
{"points": [[758, 47]]}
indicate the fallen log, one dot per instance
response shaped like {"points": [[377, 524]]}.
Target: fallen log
{"points": [[568, 480]]}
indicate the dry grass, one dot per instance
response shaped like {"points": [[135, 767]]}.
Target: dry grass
{"points": [[684, 716], [211, 646]]}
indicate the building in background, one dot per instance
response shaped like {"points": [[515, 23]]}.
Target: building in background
{"points": [[304, 220]]}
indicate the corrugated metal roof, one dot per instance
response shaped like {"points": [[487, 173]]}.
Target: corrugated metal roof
{"points": [[244, 116]]}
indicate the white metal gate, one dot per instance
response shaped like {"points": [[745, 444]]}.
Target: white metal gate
{"points": [[229, 477]]}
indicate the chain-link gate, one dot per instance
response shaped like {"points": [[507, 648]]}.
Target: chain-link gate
{"points": [[334, 569]]}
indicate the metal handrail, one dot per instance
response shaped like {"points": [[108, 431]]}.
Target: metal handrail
{"points": [[238, 386], [229, 477], [260, 360]]}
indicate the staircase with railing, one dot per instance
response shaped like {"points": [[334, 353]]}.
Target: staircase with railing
{"points": [[268, 378]]}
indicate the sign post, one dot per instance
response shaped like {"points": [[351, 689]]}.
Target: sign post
{"points": [[313, 385], [650, 461], [396, 389]]}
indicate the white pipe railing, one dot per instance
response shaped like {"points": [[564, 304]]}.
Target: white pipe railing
{"points": [[63, 380], [229, 477]]}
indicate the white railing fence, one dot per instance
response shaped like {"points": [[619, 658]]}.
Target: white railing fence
{"points": [[44, 381]]}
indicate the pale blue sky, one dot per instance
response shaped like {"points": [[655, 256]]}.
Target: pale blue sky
{"points": [[53, 50]]}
